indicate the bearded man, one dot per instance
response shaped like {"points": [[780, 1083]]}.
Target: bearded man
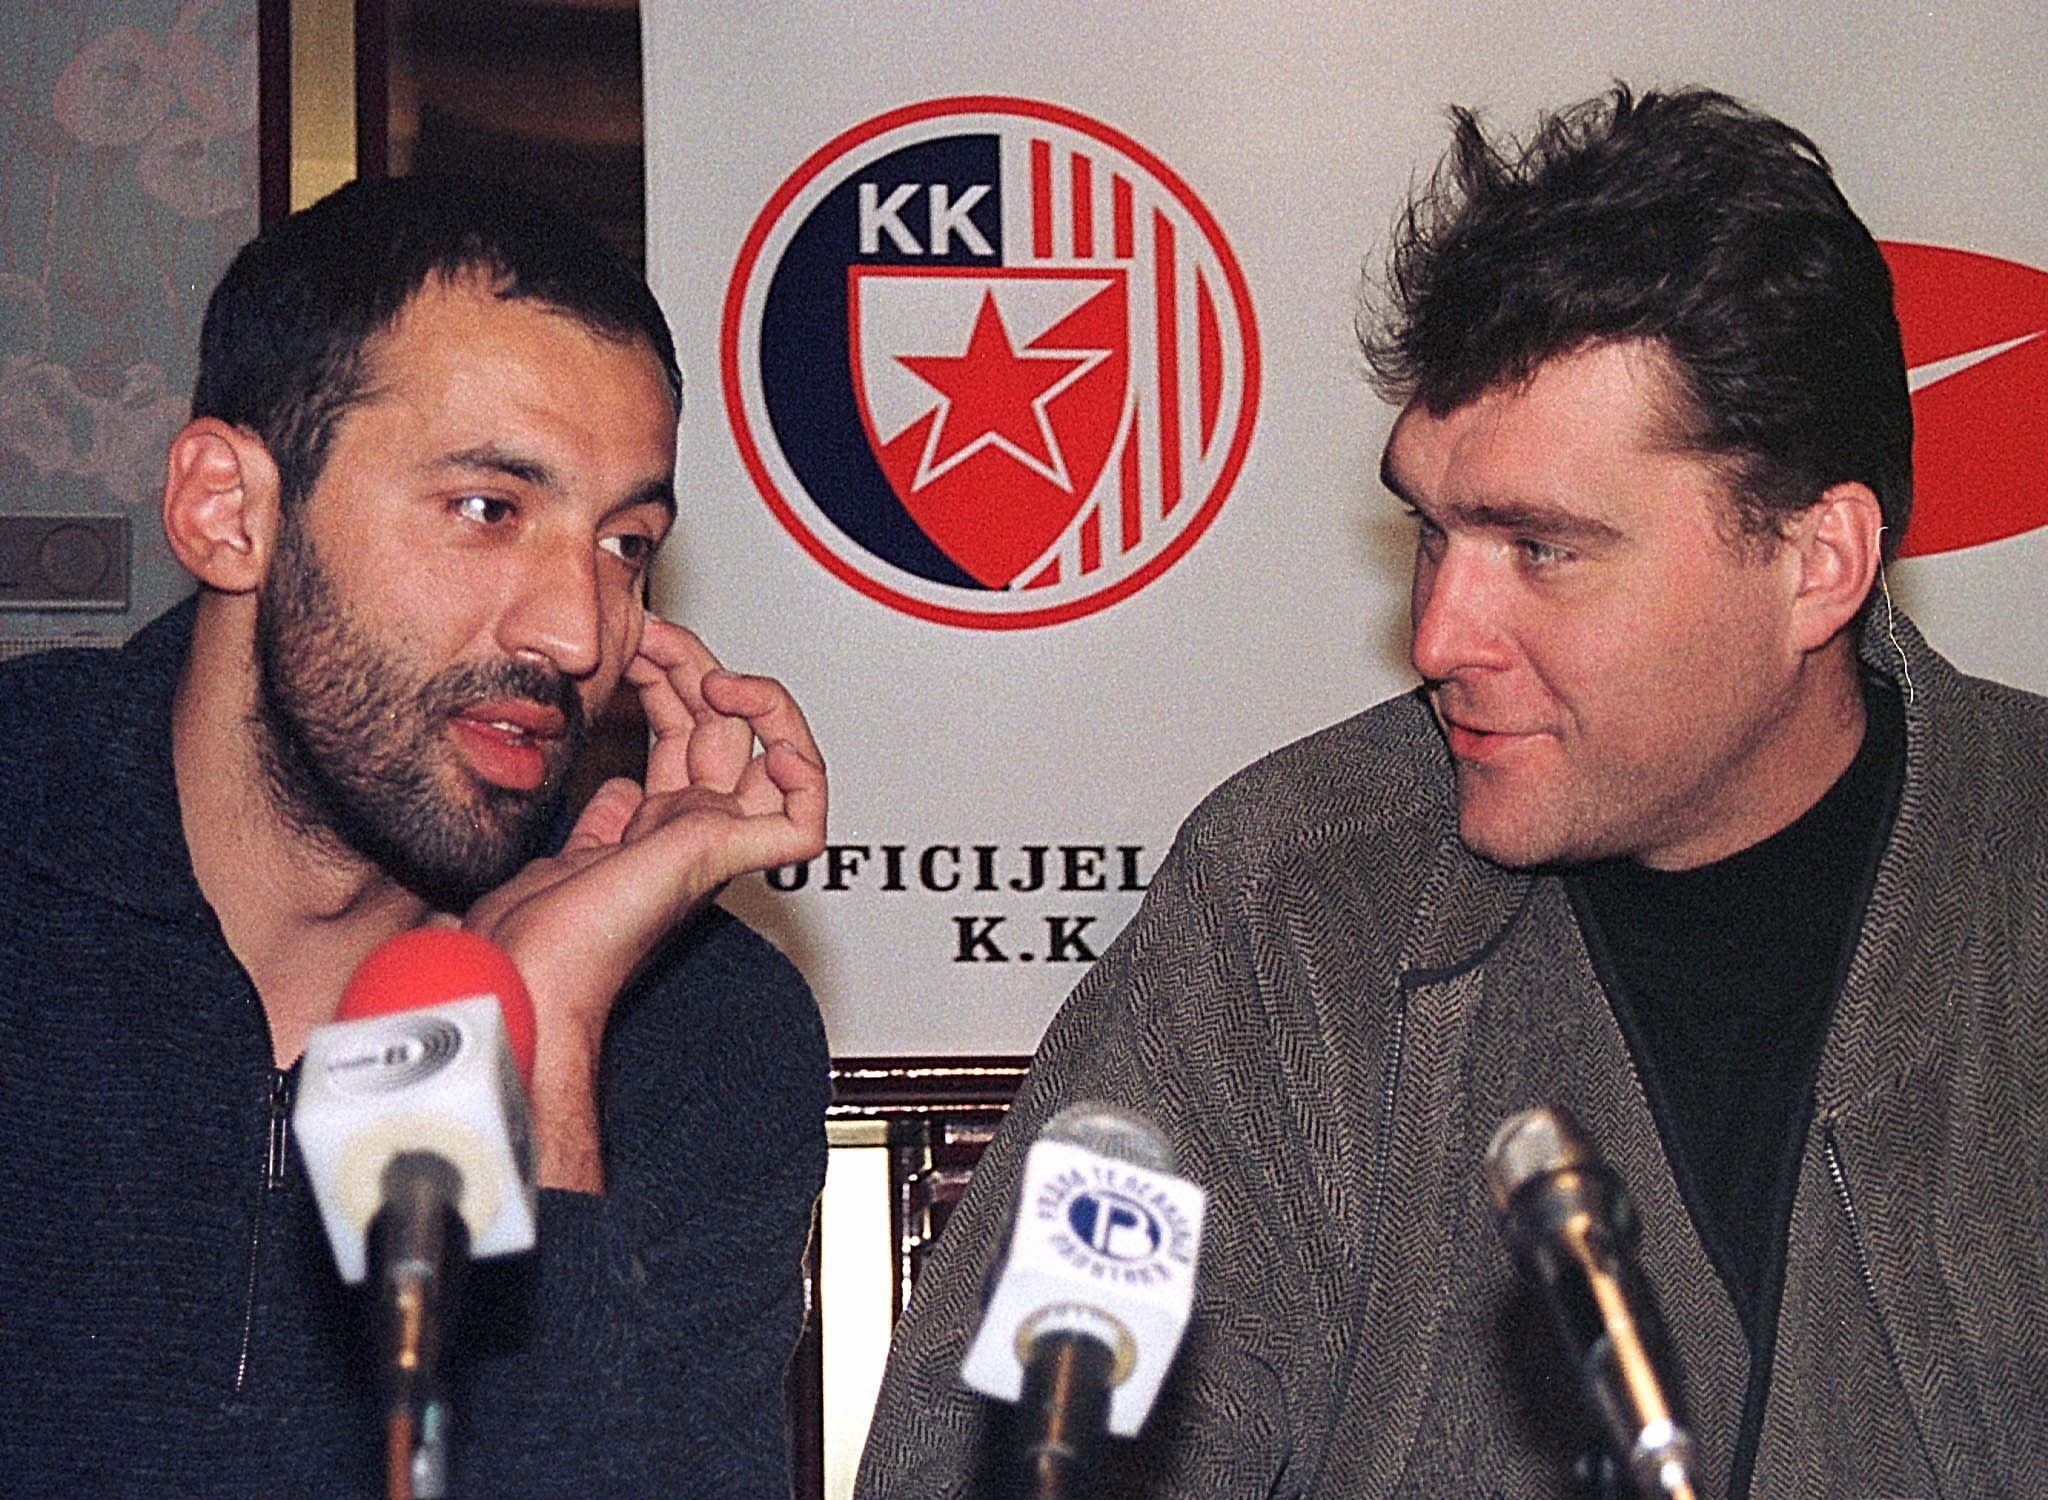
{"points": [[429, 464]]}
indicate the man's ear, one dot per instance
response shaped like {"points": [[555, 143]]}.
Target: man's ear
{"points": [[1838, 541], [221, 505]]}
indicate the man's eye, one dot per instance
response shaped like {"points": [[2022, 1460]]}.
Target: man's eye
{"points": [[485, 510], [1542, 554], [630, 547]]}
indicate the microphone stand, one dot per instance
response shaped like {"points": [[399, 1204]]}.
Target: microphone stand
{"points": [[417, 1244], [1065, 1408]]}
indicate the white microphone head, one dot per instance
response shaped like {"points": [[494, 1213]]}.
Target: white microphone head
{"points": [[1541, 1166], [1103, 1243], [439, 1079], [1565, 1219], [1533, 1144]]}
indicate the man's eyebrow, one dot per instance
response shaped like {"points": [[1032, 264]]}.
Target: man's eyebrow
{"points": [[1533, 516], [496, 460], [491, 458], [661, 492], [1536, 517]]}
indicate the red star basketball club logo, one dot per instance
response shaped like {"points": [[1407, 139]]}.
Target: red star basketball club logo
{"points": [[1976, 334], [990, 362]]}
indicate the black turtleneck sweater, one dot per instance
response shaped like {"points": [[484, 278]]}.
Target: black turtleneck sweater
{"points": [[1723, 978]]}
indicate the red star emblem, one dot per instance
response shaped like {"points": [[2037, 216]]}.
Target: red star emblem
{"points": [[995, 395]]}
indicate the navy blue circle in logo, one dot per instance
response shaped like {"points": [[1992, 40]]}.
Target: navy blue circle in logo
{"points": [[1114, 1226]]}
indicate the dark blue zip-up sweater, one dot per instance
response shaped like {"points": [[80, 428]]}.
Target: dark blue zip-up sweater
{"points": [[171, 1323]]}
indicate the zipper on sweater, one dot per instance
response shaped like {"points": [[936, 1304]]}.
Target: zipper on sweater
{"points": [[1839, 1175], [1390, 1089], [277, 1137]]}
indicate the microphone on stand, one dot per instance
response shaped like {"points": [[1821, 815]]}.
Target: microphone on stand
{"points": [[1094, 1292], [1567, 1220], [413, 1123]]}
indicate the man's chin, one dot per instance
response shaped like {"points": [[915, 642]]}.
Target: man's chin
{"points": [[1508, 854], [1510, 838], [455, 885], [1530, 843], [451, 867]]}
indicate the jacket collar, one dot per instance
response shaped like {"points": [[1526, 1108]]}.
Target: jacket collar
{"points": [[1904, 955]]}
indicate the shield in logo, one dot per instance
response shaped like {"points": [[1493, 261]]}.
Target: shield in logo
{"points": [[993, 401], [990, 362]]}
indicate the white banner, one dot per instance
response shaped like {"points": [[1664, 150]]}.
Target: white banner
{"points": [[1027, 440]]}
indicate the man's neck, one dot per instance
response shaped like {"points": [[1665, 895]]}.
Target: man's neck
{"points": [[298, 911]]}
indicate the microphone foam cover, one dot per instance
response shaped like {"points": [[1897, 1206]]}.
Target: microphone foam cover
{"points": [[429, 965], [1534, 1143], [1115, 1132]]}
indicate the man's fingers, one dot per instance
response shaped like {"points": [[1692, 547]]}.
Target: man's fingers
{"points": [[778, 819], [766, 705], [766, 844], [784, 780], [720, 745], [666, 646], [695, 743], [606, 816], [660, 811], [668, 670], [802, 782]]}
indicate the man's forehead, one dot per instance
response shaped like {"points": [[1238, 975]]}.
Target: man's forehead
{"points": [[449, 311], [1615, 398], [480, 386]]}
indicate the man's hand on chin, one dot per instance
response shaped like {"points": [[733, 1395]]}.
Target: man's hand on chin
{"points": [[734, 783]]}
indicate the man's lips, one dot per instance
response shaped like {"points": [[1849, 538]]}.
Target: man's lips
{"points": [[509, 742], [1479, 743], [1480, 746]]}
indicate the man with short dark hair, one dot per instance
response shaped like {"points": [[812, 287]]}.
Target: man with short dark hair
{"points": [[430, 461], [1680, 830]]}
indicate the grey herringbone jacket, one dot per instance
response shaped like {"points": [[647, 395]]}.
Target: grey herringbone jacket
{"points": [[1328, 1005]]}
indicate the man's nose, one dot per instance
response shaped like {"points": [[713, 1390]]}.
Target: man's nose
{"points": [[1454, 611], [558, 612]]}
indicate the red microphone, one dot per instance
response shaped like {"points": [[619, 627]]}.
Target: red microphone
{"points": [[428, 1056], [429, 965], [412, 1121]]}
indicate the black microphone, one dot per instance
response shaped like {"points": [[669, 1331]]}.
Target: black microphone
{"points": [[1567, 1220], [1094, 1292]]}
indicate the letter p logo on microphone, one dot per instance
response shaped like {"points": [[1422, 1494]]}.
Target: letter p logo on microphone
{"points": [[1114, 1226]]}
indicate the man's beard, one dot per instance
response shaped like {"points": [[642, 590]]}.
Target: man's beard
{"points": [[356, 754]]}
